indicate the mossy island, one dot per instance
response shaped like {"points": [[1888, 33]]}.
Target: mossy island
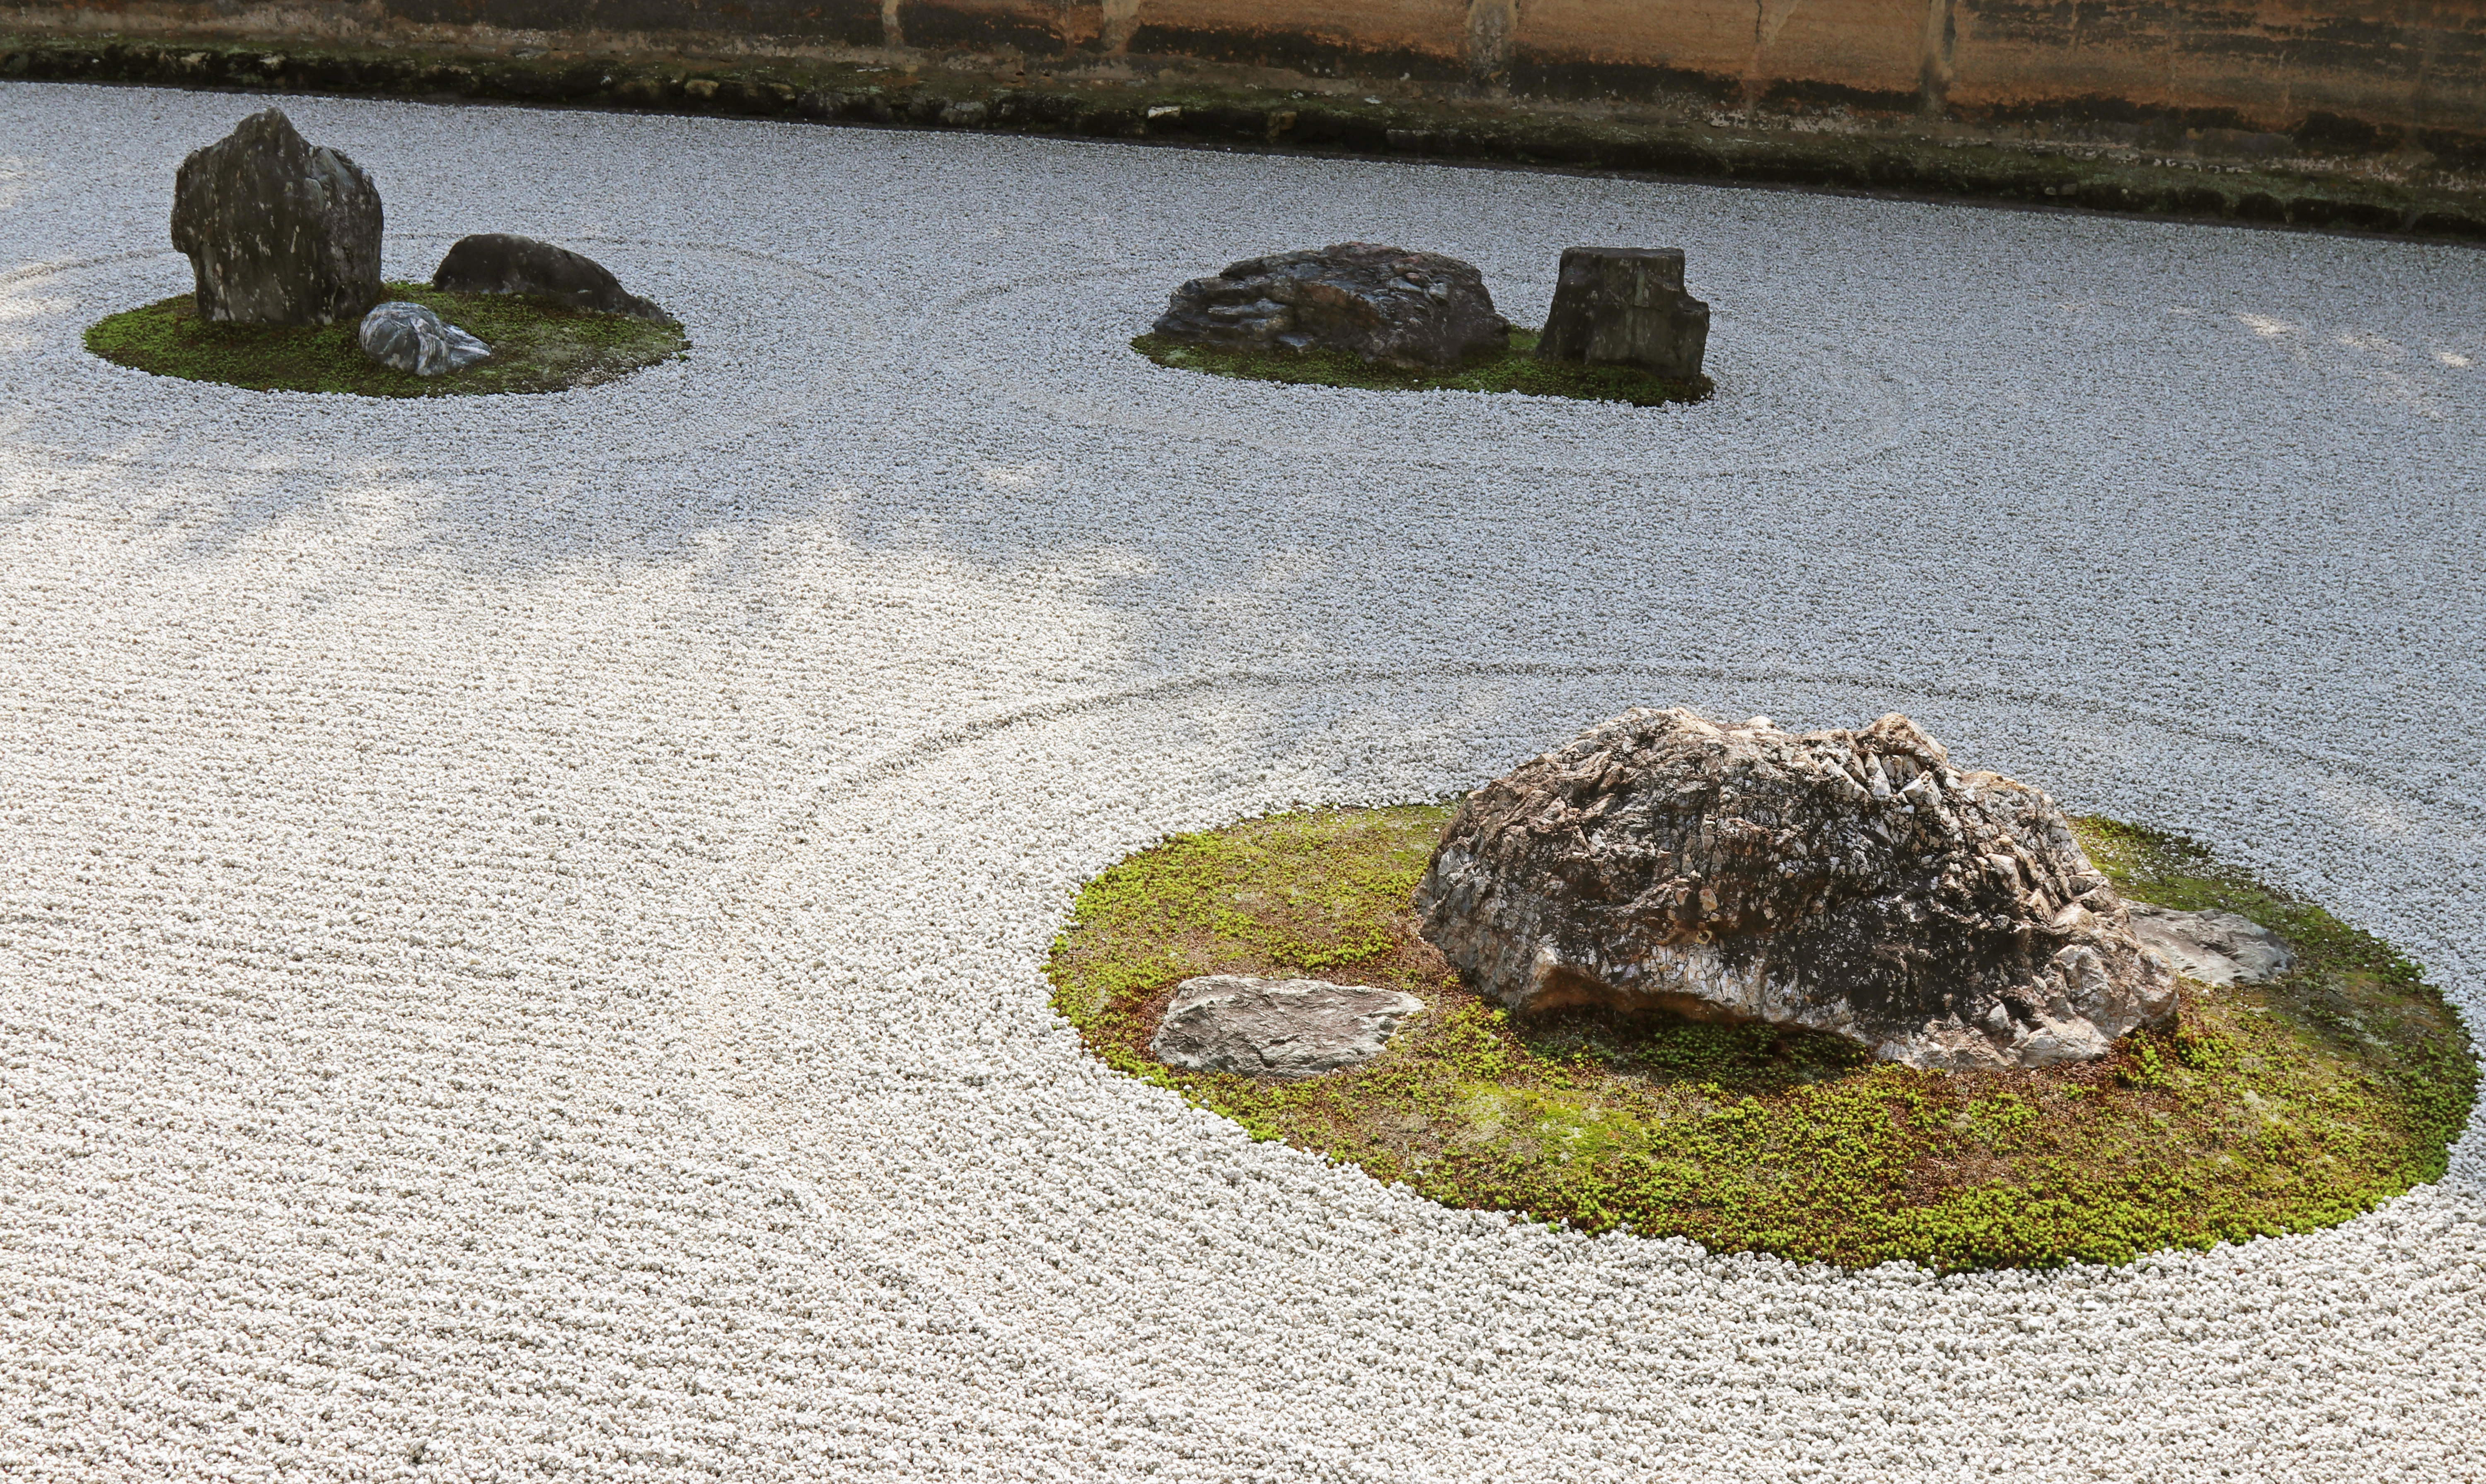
{"points": [[284, 241], [2262, 1109], [1515, 368], [1386, 318], [538, 344]]}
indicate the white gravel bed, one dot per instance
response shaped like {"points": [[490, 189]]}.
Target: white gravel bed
{"points": [[520, 918]]}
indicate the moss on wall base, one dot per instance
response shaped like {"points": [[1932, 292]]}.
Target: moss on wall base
{"points": [[2269, 1109]]}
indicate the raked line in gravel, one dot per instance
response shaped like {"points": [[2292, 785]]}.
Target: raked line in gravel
{"points": [[520, 918]]}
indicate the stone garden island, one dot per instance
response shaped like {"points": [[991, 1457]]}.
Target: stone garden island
{"points": [[283, 238], [1363, 315], [1824, 995]]}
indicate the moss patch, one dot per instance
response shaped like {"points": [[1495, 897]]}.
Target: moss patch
{"points": [[538, 345], [1515, 370], [2269, 1109]]}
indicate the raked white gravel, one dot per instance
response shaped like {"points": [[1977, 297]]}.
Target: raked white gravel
{"points": [[520, 918]]}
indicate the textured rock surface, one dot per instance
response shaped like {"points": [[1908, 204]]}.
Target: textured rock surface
{"points": [[2216, 948], [1851, 882], [1285, 1029], [504, 263], [1384, 304], [413, 339], [277, 231], [1625, 306]]}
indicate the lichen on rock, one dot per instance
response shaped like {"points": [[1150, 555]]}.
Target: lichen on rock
{"points": [[1848, 882], [277, 230]]}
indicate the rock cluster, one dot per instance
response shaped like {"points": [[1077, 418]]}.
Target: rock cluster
{"points": [[1626, 306], [413, 339], [1382, 304], [277, 231], [504, 262], [1850, 882], [1284, 1028]]}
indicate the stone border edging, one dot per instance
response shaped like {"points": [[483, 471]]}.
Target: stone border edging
{"points": [[1228, 119]]}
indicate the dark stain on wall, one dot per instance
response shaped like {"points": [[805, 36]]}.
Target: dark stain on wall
{"points": [[977, 28], [1317, 55]]}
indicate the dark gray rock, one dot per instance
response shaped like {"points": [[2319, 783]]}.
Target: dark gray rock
{"points": [[277, 231], [1285, 1029], [413, 339], [1625, 306], [1383, 304], [2216, 948], [1850, 882], [504, 263]]}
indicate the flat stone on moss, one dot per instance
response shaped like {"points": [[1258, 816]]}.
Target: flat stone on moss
{"points": [[1283, 1029]]}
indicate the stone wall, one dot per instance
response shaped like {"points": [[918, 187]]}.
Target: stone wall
{"points": [[2396, 67]]}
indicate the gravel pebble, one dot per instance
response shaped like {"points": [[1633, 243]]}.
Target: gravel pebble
{"points": [[521, 919]]}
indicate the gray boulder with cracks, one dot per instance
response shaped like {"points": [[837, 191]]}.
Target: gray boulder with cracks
{"points": [[1382, 304], [1848, 882], [1284, 1028], [411, 337]]}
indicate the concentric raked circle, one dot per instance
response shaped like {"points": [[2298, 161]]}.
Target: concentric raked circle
{"points": [[541, 969], [1059, 346], [751, 317]]}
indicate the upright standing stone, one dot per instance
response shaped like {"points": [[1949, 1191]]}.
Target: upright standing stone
{"points": [[1625, 306], [278, 231]]}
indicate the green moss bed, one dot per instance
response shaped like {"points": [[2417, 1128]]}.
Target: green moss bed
{"points": [[1515, 370], [538, 345], [2268, 1109]]}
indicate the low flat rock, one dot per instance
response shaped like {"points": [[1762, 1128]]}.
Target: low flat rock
{"points": [[1283, 1029], [504, 262], [413, 339], [2215, 947], [1382, 304]]}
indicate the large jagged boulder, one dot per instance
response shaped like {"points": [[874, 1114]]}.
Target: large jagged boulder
{"points": [[1849, 882], [278, 231], [504, 262], [1382, 304]]}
